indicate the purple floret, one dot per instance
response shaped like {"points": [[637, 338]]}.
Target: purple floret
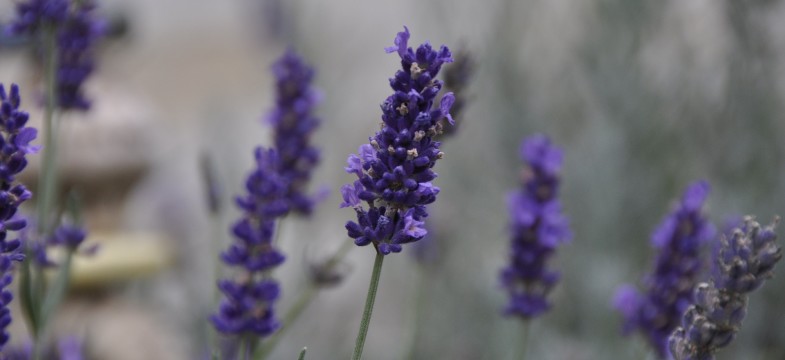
{"points": [[538, 227], [395, 169], [679, 240]]}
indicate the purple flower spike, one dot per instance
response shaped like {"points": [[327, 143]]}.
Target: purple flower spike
{"points": [[247, 307], [538, 227], [679, 240], [35, 14], [76, 41], [745, 260], [14, 145], [76, 31], [395, 169], [294, 124]]}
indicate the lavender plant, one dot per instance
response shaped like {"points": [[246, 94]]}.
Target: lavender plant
{"points": [[746, 260], [538, 227], [64, 32], [68, 31], [395, 169], [247, 310], [679, 240], [15, 138], [293, 124]]}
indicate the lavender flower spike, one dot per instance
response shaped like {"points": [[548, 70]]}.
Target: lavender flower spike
{"points": [[294, 122], [247, 308], [76, 32], [745, 261], [15, 140], [538, 227], [395, 169], [76, 44], [679, 240]]}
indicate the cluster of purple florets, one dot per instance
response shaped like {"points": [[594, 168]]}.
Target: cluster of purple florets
{"points": [[76, 32], [247, 308], [15, 140], [538, 228], [294, 122], [679, 240], [746, 259], [395, 169]]}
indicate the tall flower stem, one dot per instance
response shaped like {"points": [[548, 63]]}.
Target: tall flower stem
{"points": [[419, 305], [32, 282], [369, 300], [522, 346], [48, 177]]}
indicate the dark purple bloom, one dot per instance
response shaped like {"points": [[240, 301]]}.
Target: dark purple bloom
{"points": [[247, 308], [33, 15], [538, 227], [745, 260], [395, 169], [294, 123], [76, 31], [679, 240], [14, 147], [76, 40], [69, 236]]}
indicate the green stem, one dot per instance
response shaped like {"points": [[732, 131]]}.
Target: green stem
{"points": [[523, 345], [302, 354], [369, 300], [47, 181], [54, 296], [251, 344], [32, 282], [419, 304]]}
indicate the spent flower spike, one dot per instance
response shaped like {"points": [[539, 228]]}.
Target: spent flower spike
{"points": [[395, 168], [15, 140], [745, 261], [293, 124], [247, 307], [538, 227], [679, 240]]}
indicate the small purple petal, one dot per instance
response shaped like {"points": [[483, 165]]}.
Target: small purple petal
{"points": [[444, 106]]}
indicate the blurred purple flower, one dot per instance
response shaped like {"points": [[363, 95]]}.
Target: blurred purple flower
{"points": [[76, 30], [395, 169], [247, 307], [294, 123], [679, 240], [538, 227]]}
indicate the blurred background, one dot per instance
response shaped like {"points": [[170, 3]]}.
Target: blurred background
{"points": [[644, 97]]}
